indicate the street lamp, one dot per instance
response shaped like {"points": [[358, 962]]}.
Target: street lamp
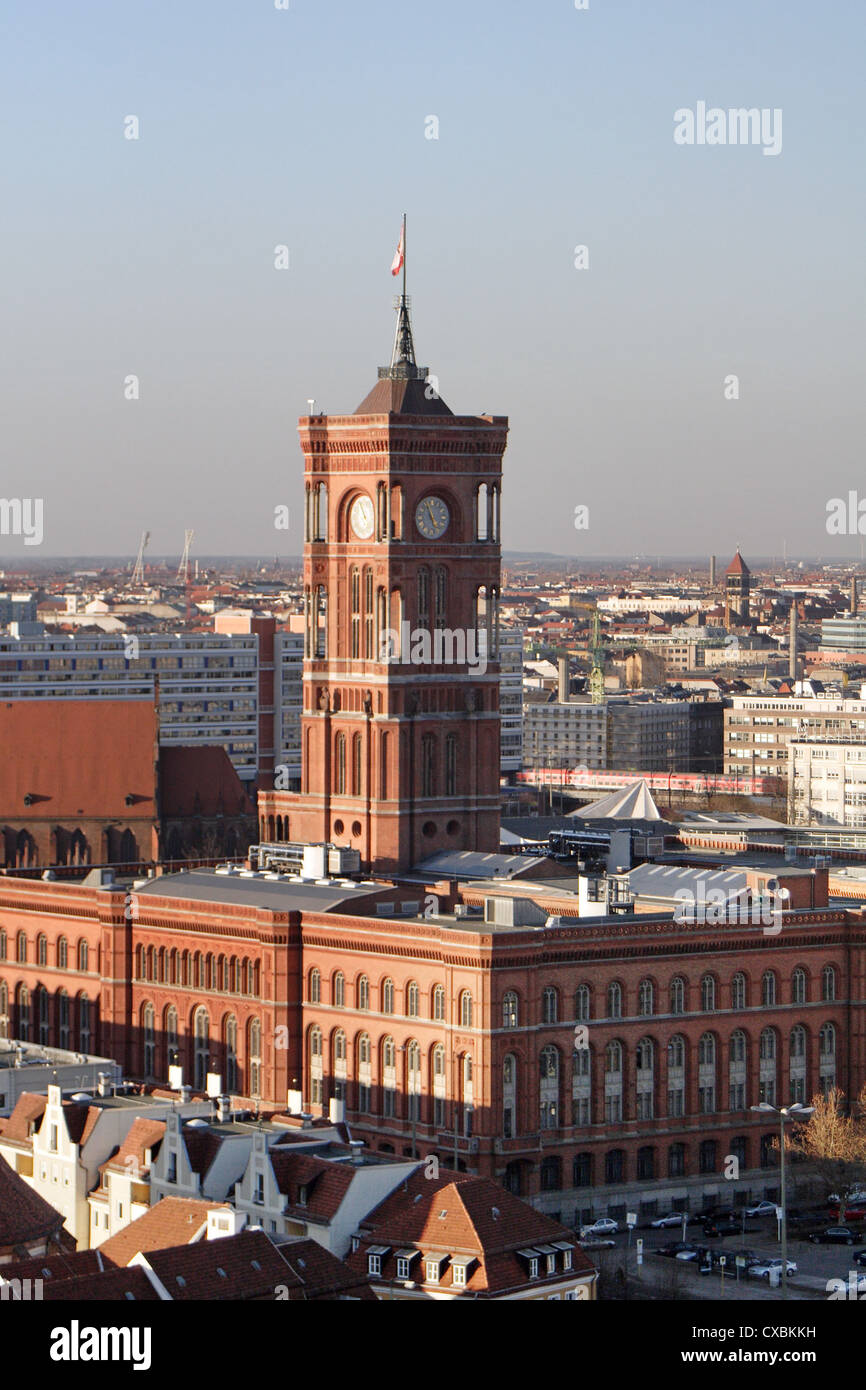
{"points": [[794, 1112]]}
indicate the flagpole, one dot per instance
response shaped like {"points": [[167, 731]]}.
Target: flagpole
{"points": [[404, 258]]}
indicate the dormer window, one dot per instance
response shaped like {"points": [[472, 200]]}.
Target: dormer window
{"points": [[431, 1271], [302, 1196], [533, 1268]]}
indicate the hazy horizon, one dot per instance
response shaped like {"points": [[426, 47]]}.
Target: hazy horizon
{"points": [[307, 128]]}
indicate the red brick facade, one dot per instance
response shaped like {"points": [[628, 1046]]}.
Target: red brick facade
{"points": [[425, 1008]]}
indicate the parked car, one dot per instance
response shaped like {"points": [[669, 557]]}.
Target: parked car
{"points": [[764, 1269], [860, 1258], [724, 1226], [834, 1235], [604, 1226], [762, 1209], [854, 1211], [673, 1218], [857, 1196], [675, 1248], [689, 1253]]}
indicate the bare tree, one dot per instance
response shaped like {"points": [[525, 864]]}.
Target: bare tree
{"points": [[832, 1145]]}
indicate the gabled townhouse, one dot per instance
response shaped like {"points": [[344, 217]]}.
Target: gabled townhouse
{"points": [[58, 1145], [124, 1189], [173, 1221], [298, 1185], [458, 1236]]}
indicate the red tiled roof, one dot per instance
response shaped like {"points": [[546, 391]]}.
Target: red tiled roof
{"points": [[78, 759], [24, 1215], [239, 1267], [28, 1112], [173, 1221], [460, 1215], [326, 1183], [58, 1265], [143, 1135], [106, 1286]]}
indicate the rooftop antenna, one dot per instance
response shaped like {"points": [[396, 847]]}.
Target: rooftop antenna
{"points": [[138, 567]]}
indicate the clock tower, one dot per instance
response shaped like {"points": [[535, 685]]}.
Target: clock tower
{"points": [[400, 718]]}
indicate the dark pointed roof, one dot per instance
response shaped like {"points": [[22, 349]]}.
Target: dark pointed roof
{"points": [[24, 1215], [738, 565], [404, 388]]}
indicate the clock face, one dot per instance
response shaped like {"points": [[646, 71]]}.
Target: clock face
{"points": [[361, 518], [432, 517]]}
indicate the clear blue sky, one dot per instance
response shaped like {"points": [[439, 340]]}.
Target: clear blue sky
{"points": [[306, 127]]}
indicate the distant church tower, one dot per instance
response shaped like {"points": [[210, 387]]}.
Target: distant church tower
{"points": [[400, 756], [738, 584]]}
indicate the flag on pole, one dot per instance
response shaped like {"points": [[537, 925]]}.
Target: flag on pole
{"points": [[397, 263]]}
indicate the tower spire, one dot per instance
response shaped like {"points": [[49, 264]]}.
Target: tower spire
{"points": [[403, 362]]}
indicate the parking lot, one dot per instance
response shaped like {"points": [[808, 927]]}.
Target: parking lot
{"points": [[816, 1264]]}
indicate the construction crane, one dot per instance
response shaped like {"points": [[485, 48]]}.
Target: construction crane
{"points": [[183, 567], [596, 675], [138, 567]]}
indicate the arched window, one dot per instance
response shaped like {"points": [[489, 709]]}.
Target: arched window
{"points": [[171, 1034], [550, 1005], [646, 1162], [738, 991], [827, 1058], [22, 948], [645, 998], [388, 997], [551, 1174], [707, 1049], [509, 1096], [201, 1048], [357, 779], [365, 1083], [614, 1000], [548, 1063], [798, 986], [798, 1041], [339, 1046], [22, 1028], [389, 1078], [676, 1060], [413, 1079], [339, 990], [645, 1078], [767, 1066], [315, 986], [828, 984], [63, 953], [678, 995], [614, 1166], [613, 1082], [316, 1041], [42, 949], [255, 1057], [340, 765], [581, 1170], [707, 1074], [148, 1030], [509, 1009], [428, 765], [363, 993], [412, 1000], [230, 1048], [82, 955], [42, 1015], [439, 1004], [582, 1003], [465, 1009], [768, 988], [708, 994], [63, 1017], [737, 1077]]}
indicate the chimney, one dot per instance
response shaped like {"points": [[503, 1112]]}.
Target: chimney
{"points": [[357, 1147], [712, 571], [185, 1094], [563, 684], [223, 1109], [103, 1086], [792, 653]]}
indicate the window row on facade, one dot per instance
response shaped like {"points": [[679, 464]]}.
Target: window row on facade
{"points": [[386, 997], [63, 958], [678, 997], [200, 1050], [198, 970], [707, 1157], [58, 1020]]}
